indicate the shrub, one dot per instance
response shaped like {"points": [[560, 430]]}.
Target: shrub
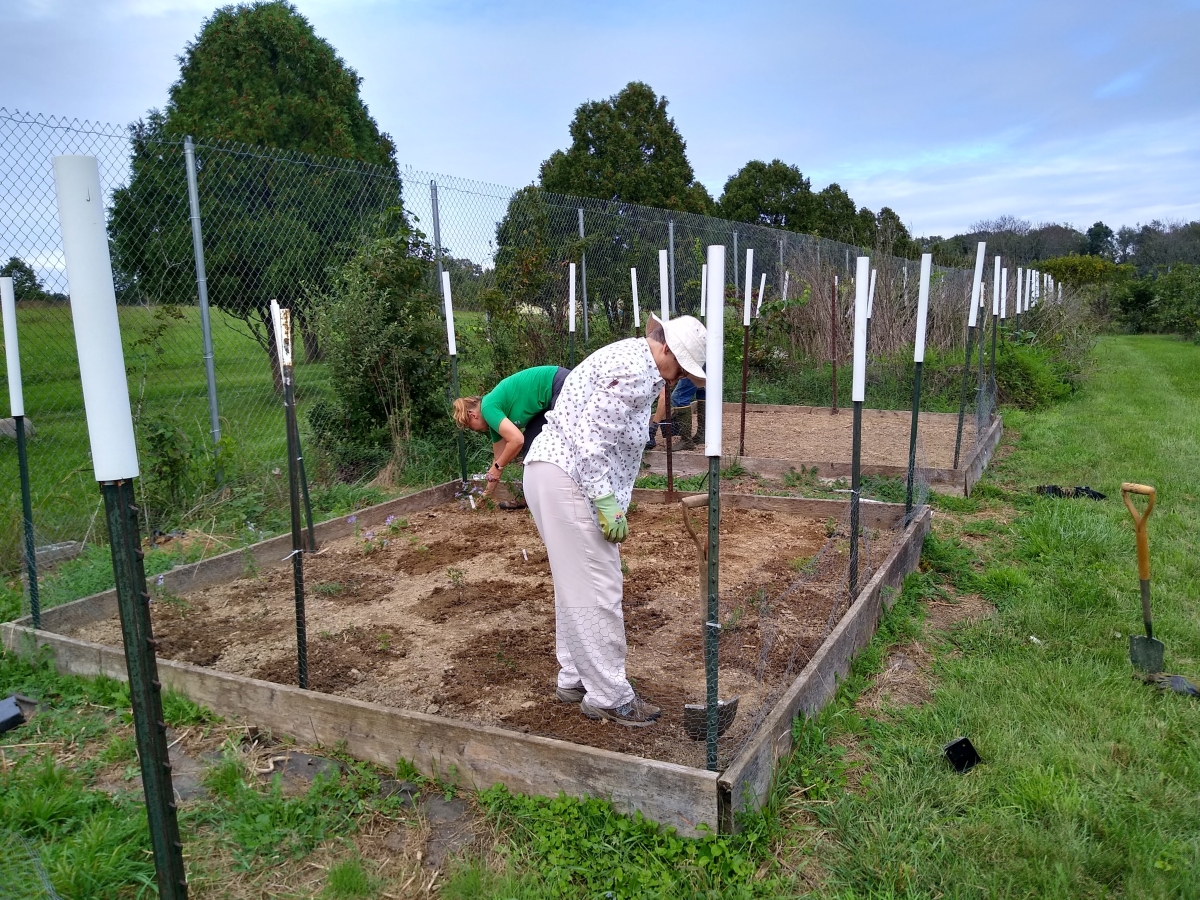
{"points": [[385, 346]]}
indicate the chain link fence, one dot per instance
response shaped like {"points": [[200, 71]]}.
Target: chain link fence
{"points": [[283, 225]]}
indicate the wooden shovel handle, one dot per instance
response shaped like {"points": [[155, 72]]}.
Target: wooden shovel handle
{"points": [[1139, 524], [690, 503]]}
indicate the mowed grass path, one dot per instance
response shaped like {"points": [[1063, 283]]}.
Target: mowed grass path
{"points": [[1091, 780]]}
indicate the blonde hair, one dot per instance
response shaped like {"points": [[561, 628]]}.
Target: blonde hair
{"points": [[463, 407]]}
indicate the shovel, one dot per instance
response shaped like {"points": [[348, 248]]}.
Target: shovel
{"points": [[1144, 652]]}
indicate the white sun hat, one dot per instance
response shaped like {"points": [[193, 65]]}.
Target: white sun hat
{"points": [[687, 339]]}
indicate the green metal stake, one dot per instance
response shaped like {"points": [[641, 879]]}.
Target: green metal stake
{"points": [[133, 605], [35, 606], [962, 401], [855, 483], [294, 464], [912, 438], [992, 374], [712, 625], [462, 445]]}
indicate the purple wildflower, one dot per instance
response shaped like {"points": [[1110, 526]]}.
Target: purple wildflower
{"points": [[370, 535], [352, 519]]}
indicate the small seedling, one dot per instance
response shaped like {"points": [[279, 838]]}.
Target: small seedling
{"points": [[249, 564], [385, 641], [800, 563], [329, 588], [456, 576], [830, 527], [624, 567]]}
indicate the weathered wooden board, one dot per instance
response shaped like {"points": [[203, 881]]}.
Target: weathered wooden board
{"points": [[476, 756], [746, 784], [946, 480], [982, 455], [877, 515], [269, 554]]}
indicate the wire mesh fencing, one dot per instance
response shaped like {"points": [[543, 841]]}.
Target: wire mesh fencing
{"points": [[229, 228]]}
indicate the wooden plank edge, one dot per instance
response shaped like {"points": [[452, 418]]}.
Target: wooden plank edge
{"points": [[981, 456], [746, 783], [271, 553], [477, 756], [735, 410], [686, 464], [876, 514]]}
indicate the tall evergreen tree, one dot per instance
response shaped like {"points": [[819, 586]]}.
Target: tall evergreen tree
{"points": [[773, 194], [274, 227], [259, 74], [627, 148]]}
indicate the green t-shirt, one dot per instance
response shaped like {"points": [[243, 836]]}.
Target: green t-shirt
{"points": [[518, 398]]}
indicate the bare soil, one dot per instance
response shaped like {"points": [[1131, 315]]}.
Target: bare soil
{"points": [[815, 435], [451, 612]]}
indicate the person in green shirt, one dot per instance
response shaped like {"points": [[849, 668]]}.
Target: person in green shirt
{"points": [[512, 413]]}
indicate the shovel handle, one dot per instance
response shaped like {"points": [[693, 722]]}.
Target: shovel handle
{"points": [[1139, 524]]}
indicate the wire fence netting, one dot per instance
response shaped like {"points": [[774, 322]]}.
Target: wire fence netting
{"points": [[286, 226]]}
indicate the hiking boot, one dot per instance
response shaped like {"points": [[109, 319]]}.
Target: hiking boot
{"points": [[651, 444], [510, 505], [570, 695], [699, 436], [637, 713], [683, 428]]}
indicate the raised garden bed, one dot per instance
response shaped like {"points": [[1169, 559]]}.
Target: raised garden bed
{"points": [[782, 438], [438, 647]]}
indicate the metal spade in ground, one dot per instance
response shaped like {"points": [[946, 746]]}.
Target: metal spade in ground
{"points": [[1145, 653]]}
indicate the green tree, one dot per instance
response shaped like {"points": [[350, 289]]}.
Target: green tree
{"points": [[1100, 241], [774, 194], [26, 284], [258, 74], [836, 216], [627, 148], [276, 224], [385, 346]]}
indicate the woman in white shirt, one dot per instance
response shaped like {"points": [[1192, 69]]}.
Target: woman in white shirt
{"points": [[579, 475]]}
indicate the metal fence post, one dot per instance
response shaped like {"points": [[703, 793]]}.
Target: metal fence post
{"points": [[583, 277], [189, 156], [453, 392], [735, 269], [671, 263]]}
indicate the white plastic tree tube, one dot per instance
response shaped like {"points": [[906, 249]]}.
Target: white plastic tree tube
{"points": [[858, 389], [281, 321], [871, 295], [1020, 296], [762, 287], [94, 313], [1059, 286], [663, 285], [703, 288], [16, 395], [996, 287], [786, 273], [976, 284], [450, 342], [1004, 293], [922, 307], [714, 354], [637, 313], [746, 294], [571, 303]]}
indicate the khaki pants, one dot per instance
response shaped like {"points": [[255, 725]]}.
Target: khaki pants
{"points": [[589, 622]]}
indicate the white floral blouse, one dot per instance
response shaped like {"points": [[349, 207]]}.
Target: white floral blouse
{"points": [[596, 432]]}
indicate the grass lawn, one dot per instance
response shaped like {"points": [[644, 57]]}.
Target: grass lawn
{"points": [[1014, 633]]}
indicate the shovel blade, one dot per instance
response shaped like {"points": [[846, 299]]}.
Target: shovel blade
{"points": [[1146, 653]]}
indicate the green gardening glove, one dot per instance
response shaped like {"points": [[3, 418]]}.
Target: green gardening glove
{"points": [[612, 520]]}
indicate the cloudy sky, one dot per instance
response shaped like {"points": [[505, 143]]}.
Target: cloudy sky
{"points": [[949, 112]]}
